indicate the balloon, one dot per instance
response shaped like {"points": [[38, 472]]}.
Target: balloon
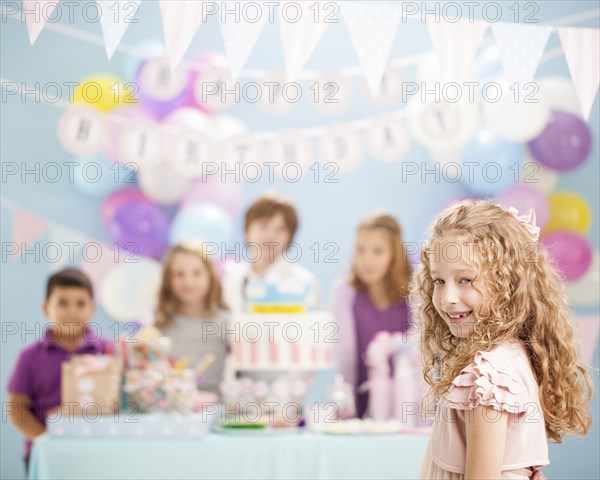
{"points": [[228, 195], [130, 289], [585, 292], [560, 94], [206, 222], [188, 118], [118, 119], [535, 175], [213, 62], [104, 92], [96, 177], [564, 144], [222, 127], [142, 224], [119, 197], [516, 121], [489, 164], [161, 90], [570, 252], [163, 184], [147, 49], [524, 197], [568, 211]]}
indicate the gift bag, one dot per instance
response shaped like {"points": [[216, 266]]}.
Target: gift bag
{"points": [[91, 384]]}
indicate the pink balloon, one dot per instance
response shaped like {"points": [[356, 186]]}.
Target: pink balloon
{"points": [[118, 198], [228, 195], [129, 113], [207, 59], [570, 252], [524, 197]]}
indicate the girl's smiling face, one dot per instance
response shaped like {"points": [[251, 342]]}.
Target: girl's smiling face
{"points": [[190, 279], [457, 296]]}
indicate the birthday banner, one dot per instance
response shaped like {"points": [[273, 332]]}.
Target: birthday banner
{"points": [[372, 27]]}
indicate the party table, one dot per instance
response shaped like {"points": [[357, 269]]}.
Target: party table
{"points": [[302, 455]]}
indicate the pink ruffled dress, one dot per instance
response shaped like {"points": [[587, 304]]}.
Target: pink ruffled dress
{"points": [[503, 379]]}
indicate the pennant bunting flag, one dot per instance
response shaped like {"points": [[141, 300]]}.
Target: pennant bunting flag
{"points": [[240, 33], [455, 44], [181, 20], [115, 17], [27, 228], [521, 48], [372, 27], [301, 28], [582, 51], [37, 13]]}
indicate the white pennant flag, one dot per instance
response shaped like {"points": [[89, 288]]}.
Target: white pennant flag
{"points": [[521, 48], [581, 47], [181, 20], [115, 17], [372, 27], [37, 13], [240, 33], [301, 28], [455, 44], [64, 247]]}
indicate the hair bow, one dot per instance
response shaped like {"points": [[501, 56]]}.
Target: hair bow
{"points": [[528, 221]]}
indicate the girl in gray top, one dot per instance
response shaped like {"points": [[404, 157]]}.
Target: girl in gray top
{"points": [[192, 312]]}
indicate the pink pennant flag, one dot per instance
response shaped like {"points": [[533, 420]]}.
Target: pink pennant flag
{"points": [[181, 20], [589, 327], [37, 13], [300, 35], [26, 229], [582, 51], [455, 44]]}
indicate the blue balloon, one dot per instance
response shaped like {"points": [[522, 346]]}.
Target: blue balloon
{"points": [[206, 222], [490, 164], [97, 177]]}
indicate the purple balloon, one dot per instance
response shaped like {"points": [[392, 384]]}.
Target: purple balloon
{"points": [[524, 197], [564, 144], [160, 107], [118, 198], [142, 224], [228, 195], [571, 253]]}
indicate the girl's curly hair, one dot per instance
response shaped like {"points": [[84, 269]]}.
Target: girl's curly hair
{"points": [[526, 302]]}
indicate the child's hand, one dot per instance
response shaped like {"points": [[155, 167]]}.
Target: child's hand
{"points": [[538, 475]]}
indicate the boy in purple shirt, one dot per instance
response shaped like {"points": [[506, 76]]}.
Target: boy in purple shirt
{"points": [[35, 384]]}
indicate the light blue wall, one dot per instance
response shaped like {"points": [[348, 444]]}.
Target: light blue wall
{"points": [[329, 212]]}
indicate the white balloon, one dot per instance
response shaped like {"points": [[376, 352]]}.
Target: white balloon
{"points": [[585, 291], [536, 175], [130, 289], [164, 184], [560, 94], [429, 70], [439, 125], [290, 147], [387, 137], [520, 120], [222, 127]]}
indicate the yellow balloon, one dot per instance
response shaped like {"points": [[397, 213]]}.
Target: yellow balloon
{"points": [[568, 211], [103, 92]]}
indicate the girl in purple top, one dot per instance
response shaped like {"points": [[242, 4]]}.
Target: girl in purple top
{"points": [[372, 299]]}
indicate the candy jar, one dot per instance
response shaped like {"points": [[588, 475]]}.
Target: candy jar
{"points": [[341, 396]]}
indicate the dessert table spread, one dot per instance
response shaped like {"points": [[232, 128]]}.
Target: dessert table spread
{"points": [[251, 455]]}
